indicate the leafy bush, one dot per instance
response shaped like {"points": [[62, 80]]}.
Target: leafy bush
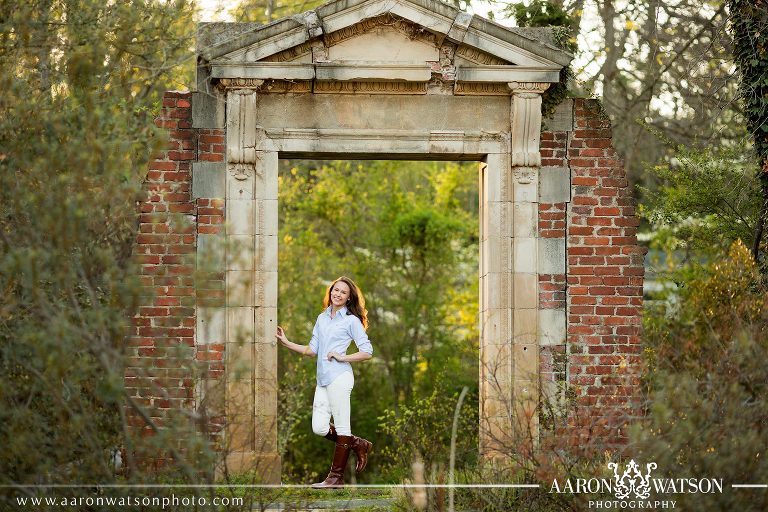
{"points": [[708, 403]]}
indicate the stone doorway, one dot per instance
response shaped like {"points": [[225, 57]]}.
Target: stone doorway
{"points": [[508, 273], [363, 79]]}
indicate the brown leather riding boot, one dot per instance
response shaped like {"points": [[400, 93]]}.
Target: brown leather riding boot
{"points": [[335, 477], [362, 448]]}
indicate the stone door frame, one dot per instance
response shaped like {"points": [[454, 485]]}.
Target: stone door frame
{"points": [[509, 297]]}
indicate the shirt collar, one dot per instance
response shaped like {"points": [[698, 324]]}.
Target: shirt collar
{"points": [[342, 310]]}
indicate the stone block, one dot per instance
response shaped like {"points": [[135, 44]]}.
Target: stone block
{"points": [[266, 217], [266, 368], [208, 111], [241, 253], [497, 367], [266, 325], [266, 253], [266, 427], [526, 363], [266, 289], [209, 395], [499, 290], [497, 255], [499, 219], [240, 325], [266, 466], [210, 252], [497, 178], [551, 255], [525, 326], [209, 179], [241, 359], [211, 326], [524, 257], [240, 217], [554, 185], [241, 182], [266, 175], [240, 288], [561, 119], [525, 184], [495, 326], [552, 327], [525, 220], [525, 291]]}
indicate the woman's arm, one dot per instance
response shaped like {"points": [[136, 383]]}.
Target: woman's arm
{"points": [[300, 349], [349, 358]]}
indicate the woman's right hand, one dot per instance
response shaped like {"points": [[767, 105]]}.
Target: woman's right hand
{"points": [[281, 337]]}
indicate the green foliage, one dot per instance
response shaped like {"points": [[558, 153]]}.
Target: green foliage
{"points": [[539, 13], [706, 200], [422, 429], [266, 11], [80, 81], [708, 403], [407, 233], [544, 13]]}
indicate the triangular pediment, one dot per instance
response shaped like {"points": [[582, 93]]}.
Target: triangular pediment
{"points": [[421, 34]]}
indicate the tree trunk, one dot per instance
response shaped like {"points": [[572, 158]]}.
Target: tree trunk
{"points": [[762, 218]]}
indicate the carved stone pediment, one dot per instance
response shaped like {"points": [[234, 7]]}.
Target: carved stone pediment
{"points": [[358, 41]]}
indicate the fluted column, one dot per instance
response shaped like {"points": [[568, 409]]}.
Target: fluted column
{"points": [[251, 298], [525, 162]]}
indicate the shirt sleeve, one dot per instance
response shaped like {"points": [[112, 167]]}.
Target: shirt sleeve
{"points": [[314, 341], [360, 336]]}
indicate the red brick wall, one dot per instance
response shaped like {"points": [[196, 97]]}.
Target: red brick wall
{"points": [[604, 283], [160, 373], [601, 292]]}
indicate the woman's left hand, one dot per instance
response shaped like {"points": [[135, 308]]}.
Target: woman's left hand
{"points": [[336, 356]]}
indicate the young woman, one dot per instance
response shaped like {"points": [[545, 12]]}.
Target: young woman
{"points": [[343, 320]]}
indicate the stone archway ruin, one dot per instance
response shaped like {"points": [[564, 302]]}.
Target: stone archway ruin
{"points": [[412, 79]]}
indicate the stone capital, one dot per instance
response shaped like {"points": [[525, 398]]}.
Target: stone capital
{"points": [[528, 89], [240, 85]]}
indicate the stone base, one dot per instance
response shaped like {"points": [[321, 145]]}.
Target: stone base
{"points": [[266, 467]]}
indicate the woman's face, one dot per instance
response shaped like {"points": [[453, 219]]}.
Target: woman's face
{"points": [[339, 294]]}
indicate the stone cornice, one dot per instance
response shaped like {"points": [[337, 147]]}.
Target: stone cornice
{"points": [[424, 19]]}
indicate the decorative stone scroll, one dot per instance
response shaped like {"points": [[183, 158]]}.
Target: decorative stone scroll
{"points": [[526, 123]]}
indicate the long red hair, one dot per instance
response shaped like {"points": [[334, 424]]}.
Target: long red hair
{"points": [[355, 303]]}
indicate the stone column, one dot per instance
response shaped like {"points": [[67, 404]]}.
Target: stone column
{"points": [[525, 164], [251, 293], [496, 357]]}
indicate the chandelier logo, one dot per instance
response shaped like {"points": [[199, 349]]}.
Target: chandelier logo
{"points": [[632, 482], [632, 487]]}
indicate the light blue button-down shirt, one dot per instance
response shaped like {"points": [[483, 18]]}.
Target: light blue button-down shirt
{"points": [[334, 335]]}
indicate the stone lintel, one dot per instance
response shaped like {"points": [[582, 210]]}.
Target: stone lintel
{"points": [[506, 74]]}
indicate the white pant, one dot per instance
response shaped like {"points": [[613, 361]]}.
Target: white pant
{"points": [[333, 400]]}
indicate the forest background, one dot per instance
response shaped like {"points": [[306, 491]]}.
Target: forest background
{"points": [[684, 83]]}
